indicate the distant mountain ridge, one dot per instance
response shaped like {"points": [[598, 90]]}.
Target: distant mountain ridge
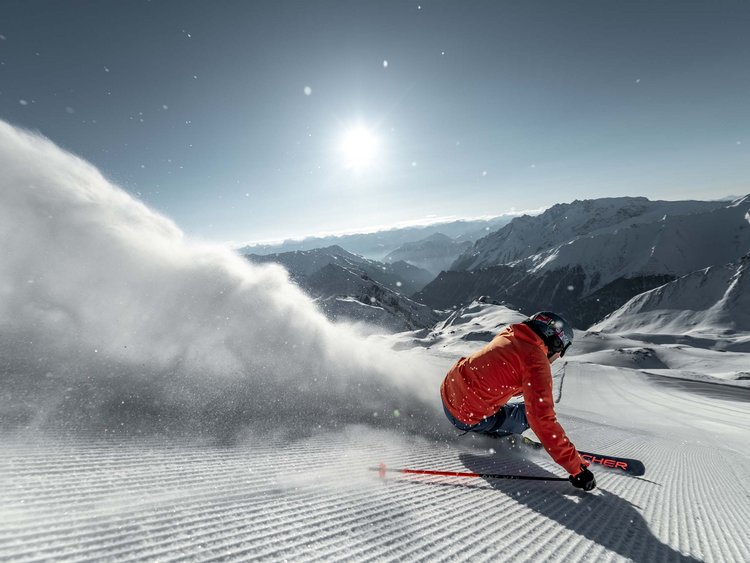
{"points": [[528, 236], [434, 254], [302, 265], [584, 259], [377, 245], [350, 287], [672, 245], [587, 258], [344, 294]]}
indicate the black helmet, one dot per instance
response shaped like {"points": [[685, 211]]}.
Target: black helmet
{"points": [[553, 329]]}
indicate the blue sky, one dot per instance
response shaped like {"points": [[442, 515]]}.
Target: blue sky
{"points": [[228, 116]]}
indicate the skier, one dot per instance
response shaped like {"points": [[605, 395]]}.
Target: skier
{"points": [[476, 390]]}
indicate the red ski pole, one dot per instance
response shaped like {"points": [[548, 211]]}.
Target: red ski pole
{"points": [[382, 470]]}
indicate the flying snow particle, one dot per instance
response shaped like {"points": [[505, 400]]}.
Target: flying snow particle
{"points": [[70, 110], [164, 106], [484, 172], [739, 142], [414, 163], [2, 38], [396, 413], [399, 284], [23, 102], [106, 69], [637, 80], [571, 288], [385, 64], [308, 90]]}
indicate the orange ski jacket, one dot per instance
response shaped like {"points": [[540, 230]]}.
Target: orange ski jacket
{"points": [[514, 363]]}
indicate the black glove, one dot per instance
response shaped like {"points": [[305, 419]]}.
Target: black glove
{"points": [[583, 480]]}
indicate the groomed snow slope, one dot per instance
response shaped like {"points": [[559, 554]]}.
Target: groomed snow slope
{"points": [[270, 499]]}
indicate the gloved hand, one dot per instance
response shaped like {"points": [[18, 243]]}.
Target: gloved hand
{"points": [[583, 480]]}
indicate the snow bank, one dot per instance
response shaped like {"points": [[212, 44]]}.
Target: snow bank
{"points": [[110, 319]]}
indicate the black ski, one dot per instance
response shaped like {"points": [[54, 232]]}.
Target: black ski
{"points": [[630, 466]]}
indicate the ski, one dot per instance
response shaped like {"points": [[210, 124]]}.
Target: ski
{"points": [[628, 465]]}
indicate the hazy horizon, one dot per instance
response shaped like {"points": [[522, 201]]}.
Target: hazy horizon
{"points": [[427, 222]]}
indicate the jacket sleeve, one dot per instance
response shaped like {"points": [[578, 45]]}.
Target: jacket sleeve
{"points": [[540, 412]]}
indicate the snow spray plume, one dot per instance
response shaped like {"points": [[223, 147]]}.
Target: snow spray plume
{"points": [[111, 320]]}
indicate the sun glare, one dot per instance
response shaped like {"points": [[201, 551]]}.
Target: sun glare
{"points": [[359, 147]]}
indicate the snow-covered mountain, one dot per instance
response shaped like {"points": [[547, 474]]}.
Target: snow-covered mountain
{"points": [[378, 244], [398, 276], [479, 321], [346, 294], [713, 300], [434, 254], [588, 258], [529, 236], [349, 287], [673, 245]]}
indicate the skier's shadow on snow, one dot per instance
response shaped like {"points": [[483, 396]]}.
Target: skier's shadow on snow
{"points": [[602, 517]]}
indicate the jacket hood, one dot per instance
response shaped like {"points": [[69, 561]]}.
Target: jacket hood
{"points": [[523, 332]]}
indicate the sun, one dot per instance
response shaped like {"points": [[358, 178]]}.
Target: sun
{"points": [[358, 147]]}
